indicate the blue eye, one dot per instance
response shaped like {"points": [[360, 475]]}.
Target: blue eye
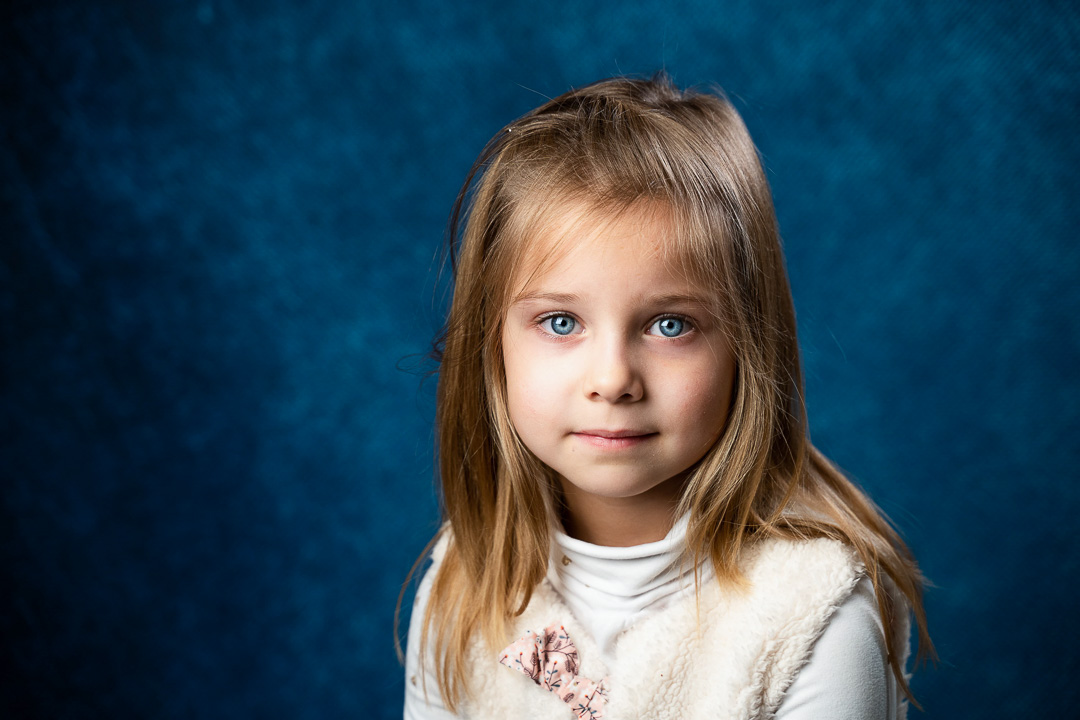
{"points": [[670, 327], [560, 324]]}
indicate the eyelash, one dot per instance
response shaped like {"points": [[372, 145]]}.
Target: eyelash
{"points": [[691, 325], [549, 316]]}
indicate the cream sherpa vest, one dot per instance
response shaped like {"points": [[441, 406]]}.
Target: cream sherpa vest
{"points": [[733, 655]]}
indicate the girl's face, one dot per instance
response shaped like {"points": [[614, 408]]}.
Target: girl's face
{"points": [[618, 377]]}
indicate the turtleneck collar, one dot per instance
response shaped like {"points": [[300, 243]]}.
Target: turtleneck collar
{"points": [[607, 588]]}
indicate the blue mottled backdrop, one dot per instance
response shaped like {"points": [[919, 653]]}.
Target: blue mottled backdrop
{"points": [[219, 223]]}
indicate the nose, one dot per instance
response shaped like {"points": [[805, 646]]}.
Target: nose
{"points": [[613, 374]]}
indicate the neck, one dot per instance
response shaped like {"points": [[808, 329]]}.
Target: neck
{"points": [[621, 521]]}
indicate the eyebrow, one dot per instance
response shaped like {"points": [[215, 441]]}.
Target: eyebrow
{"points": [[570, 298], [680, 299], [559, 298]]}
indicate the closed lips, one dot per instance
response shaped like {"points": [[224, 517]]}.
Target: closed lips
{"points": [[615, 434], [614, 439]]}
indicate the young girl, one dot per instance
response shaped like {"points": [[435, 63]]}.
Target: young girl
{"points": [[635, 522]]}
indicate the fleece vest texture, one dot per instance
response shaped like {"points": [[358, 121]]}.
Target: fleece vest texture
{"points": [[728, 654]]}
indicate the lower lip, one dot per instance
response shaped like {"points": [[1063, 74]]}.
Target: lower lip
{"points": [[613, 443]]}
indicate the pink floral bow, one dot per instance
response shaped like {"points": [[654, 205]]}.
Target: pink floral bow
{"points": [[552, 662]]}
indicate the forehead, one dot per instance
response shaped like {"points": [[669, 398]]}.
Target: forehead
{"points": [[562, 237]]}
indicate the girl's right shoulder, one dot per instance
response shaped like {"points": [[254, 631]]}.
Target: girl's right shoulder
{"points": [[423, 591], [422, 698], [435, 553], [442, 541]]}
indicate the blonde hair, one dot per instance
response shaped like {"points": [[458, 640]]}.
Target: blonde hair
{"points": [[612, 144]]}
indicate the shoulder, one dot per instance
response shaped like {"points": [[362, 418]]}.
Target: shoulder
{"points": [[818, 561], [847, 675], [422, 698], [802, 580], [423, 590], [766, 628]]}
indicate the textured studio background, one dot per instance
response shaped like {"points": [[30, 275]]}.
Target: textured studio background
{"points": [[219, 226]]}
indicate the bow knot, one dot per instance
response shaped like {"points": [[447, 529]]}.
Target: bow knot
{"points": [[551, 660]]}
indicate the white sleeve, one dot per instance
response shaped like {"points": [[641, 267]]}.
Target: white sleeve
{"points": [[418, 704], [848, 675]]}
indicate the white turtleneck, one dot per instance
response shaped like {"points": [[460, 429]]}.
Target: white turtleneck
{"points": [[609, 588]]}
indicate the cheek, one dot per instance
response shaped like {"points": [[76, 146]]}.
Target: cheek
{"points": [[523, 402], [705, 397], [528, 388]]}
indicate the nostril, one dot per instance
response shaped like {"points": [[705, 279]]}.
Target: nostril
{"points": [[613, 387]]}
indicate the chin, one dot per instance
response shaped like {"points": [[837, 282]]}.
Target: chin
{"points": [[619, 487]]}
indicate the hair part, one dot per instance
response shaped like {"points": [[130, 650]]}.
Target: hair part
{"points": [[612, 146]]}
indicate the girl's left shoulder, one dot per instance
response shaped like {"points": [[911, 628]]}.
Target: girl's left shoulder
{"points": [[787, 569], [738, 647]]}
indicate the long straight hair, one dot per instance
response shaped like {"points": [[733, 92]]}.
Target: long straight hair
{"points": [[613, 144]]}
